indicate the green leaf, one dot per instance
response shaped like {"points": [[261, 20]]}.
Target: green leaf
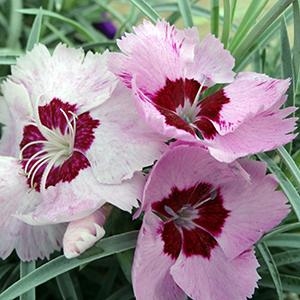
{"points": [[186, 12], [7, 60], [125, 259], [290, 163], [76, 25], [35, 32], [280, 229], [286, 60], [254, 10], [289, 283], [226, 23], [25, 269], [4, 269], [60, 265], [66, 287], [58, 4], [267, 256], [124, 293], [15, 24], [287, 257], [285, 240], [214, 21], [284, 182], [146, 9], [257, 30], [296, 49]]}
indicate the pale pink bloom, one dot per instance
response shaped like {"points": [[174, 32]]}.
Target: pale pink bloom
{"points": [[75, 141], [202, 218], [169, 69]]}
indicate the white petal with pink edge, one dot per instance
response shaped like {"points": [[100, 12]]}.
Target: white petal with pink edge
{"points": [[67, 74], [30, 242], [123, 143]]}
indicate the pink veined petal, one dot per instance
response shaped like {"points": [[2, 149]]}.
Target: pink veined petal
{"points": [[212, 63], [248, 204], [67, 74], [30, 242], [15, 112], [154, 53], [84, 233], [217, 278], [151, 277], [263, 132], [155, 119], [249, 95], [123, 143]]}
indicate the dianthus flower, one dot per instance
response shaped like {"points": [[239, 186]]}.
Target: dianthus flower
{"points": [[170, 71], [202, 218], [71, 142]]}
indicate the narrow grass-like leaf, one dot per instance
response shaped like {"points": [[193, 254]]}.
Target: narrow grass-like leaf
{"points": [[125, 259], [124, 293], [15, 24], [254, 10], [76, 25], [146, 9], [66, 287], [297, 90], [289, 283], [280, 229], [60, 265], [25, 269], [58, 4], [226, 23], [34, 36], [276, 10], [286, 60], [186, 12], [267, 256], [296, 49], [285, 184], [287, 257], [214, 20], [233, 9], [290, 163], [4, 269], [59, 34], [7, 60], [284, 240]]}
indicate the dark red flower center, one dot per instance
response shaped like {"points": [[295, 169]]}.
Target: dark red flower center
{"points": [[54, 144], [192, 218], [179, 102]]}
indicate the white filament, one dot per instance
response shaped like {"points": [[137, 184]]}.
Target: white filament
{"points": [[56, 148]]}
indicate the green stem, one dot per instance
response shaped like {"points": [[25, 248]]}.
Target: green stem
{"points": [[25, 269]]}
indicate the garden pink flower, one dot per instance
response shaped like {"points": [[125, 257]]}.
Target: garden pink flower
{"points": [[201, 220], [72, 141], [169, 70]]}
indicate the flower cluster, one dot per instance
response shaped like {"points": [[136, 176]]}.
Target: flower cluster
{"points": [[78, 130]]}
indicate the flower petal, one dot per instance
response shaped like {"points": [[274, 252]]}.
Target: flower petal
{"points": [[250, 94], [81, 197], [213, 278], [170, 48], [84, 233], [30, 242], [263, 132], [212, 63], [123, 143], [15, 112], [67, 74], [248, 204], [150, 271]]}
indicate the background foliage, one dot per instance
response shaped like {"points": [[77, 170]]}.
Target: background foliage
{"points": [[263, 36]]}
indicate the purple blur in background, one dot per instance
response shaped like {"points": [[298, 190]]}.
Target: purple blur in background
{"points": [[106, 26]]}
